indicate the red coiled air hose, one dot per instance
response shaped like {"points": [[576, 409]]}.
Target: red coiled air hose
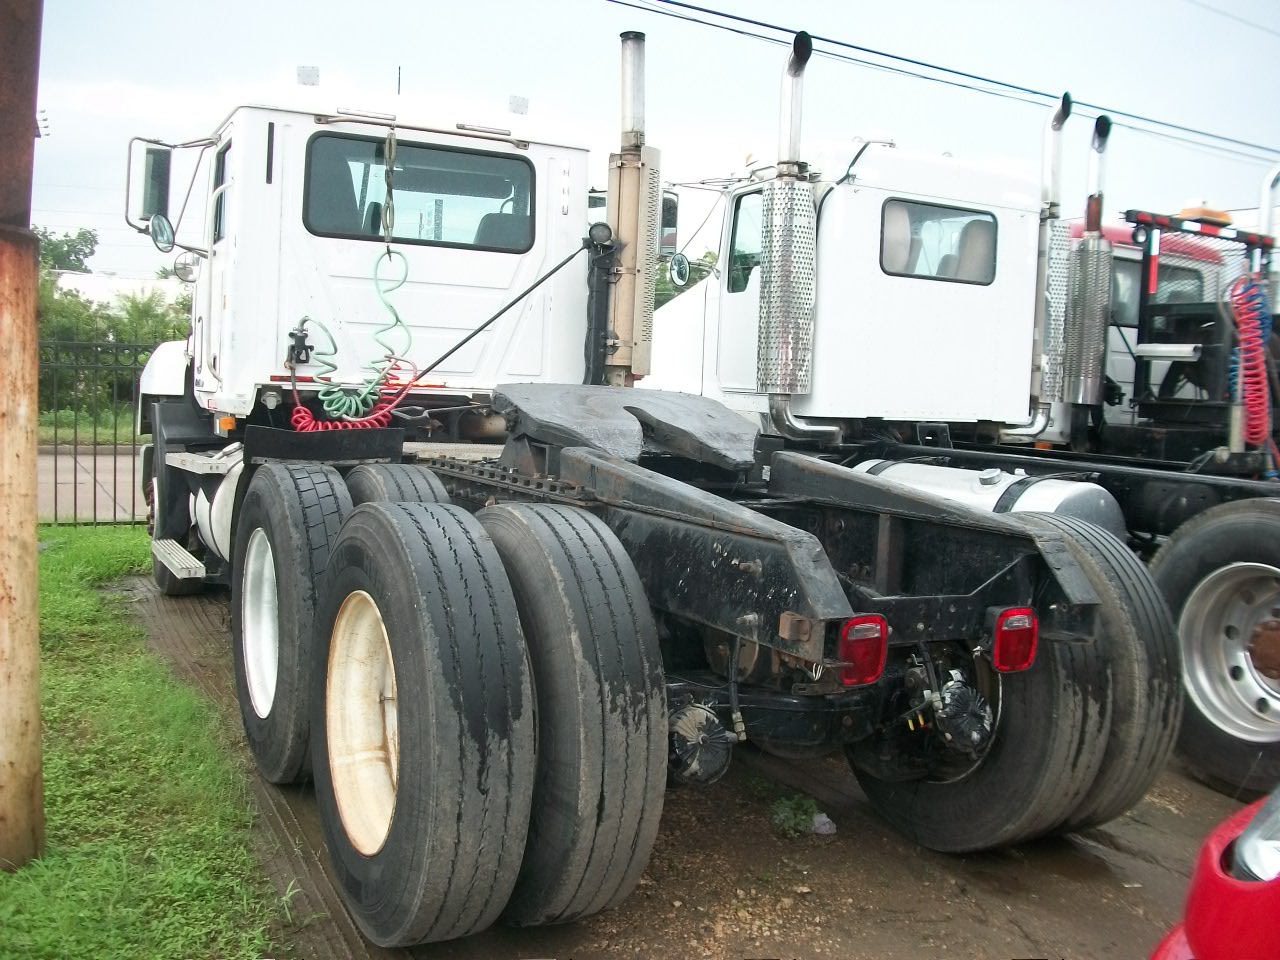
{"points": [[304, 421], [1251, 376]]}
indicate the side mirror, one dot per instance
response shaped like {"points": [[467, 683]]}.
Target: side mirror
{"points": [[678, 270], [155, 182], [667, 243], [186, 266], [161, 232]]}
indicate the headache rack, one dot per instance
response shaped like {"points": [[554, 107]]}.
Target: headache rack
{"points": [[1183, 357]]}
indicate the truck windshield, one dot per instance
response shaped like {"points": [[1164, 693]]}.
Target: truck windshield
{"points": [[441, 196]]}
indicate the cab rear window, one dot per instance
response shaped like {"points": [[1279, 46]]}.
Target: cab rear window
{"points": [[440, 196], [936, 242]]}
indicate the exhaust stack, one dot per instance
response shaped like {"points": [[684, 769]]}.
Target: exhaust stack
{"points": [[1053, 250], [791, 105], [632, 90], [635, 206], [1266, 212], [1097, 152], [788, 256], [1089, 305], [1051, 159]]}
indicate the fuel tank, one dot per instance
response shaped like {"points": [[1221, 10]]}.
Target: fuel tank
{"points": [[995, 491]]}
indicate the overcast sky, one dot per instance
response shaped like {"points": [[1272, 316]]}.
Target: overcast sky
{"points": [[161, 69]]}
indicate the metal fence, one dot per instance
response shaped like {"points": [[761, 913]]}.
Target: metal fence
{"points": [[89, 471]]}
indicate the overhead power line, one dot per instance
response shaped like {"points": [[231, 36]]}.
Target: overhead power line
{"points": [[1232, 16], [992, 86]]}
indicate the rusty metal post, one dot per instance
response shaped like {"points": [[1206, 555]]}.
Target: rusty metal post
{"points": [[21, 773]]}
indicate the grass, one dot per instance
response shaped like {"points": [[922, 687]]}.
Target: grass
{"points": [[147, 815], [793, 815], [108, 425]]}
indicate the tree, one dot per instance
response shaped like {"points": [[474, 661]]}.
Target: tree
{"points": [[67, 251], [149, 319]]}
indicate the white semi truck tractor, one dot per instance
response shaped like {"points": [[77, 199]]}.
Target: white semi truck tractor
{"points": [[493, 600], [966, 339]]}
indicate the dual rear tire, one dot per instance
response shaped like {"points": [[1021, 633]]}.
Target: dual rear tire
{"points": [[1079, 737], [435, 764]]}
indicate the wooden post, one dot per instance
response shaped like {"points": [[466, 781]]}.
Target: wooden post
{"points": [[21, 775]]}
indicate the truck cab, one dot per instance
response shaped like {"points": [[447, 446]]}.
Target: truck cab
{"points": [[926, 275], [299, 224]]}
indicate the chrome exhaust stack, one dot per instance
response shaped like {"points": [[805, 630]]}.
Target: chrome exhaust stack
{"points": [[1051, 159], [791, 105], [1089, 305], [1266, 213], [788, 277], [634, 205], [1052, 257], [632, 90], [1097, 152]]}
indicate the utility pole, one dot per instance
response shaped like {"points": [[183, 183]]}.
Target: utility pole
{"points": [[21, 771]]}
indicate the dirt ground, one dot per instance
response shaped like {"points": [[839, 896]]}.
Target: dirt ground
{"points": [[722, 884]]}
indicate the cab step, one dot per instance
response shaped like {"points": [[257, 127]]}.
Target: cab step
{"points": [[178, 560]]}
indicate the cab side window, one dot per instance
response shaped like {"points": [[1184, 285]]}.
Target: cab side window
{"points": [[744, 249], [220, 176]]}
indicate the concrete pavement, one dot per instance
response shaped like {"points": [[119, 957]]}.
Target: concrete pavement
{"points": [[89, 484]]}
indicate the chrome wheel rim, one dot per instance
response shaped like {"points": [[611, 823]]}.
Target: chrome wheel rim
{"points": [[260, 620], [1220, 621], [362, 723]]}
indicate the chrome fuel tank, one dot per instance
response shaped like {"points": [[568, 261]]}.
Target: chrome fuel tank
{"points": [[995, 491]]}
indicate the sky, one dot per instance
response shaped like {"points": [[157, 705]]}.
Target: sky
{"points": [[112, 70]]}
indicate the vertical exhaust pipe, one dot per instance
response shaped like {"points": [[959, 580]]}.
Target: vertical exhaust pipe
{"points": [[632, 90], [1089, 306], [1266, 211], [1046, 346], [634, 205], [1051, 159], [1097, 153], [788, 257], [791, 104]]}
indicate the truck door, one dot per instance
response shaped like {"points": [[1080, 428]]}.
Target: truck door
{"points": [[210, 313], [740, 297]]}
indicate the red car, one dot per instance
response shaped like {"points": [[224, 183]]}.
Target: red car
{"points": [[1233, 905]]}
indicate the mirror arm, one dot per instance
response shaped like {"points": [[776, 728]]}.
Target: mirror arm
{"points": [[177, 225], [191, 248]]}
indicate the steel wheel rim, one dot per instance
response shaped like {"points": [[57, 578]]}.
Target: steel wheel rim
{"points": [[362, 723], [1215, 627], [260, 619]]}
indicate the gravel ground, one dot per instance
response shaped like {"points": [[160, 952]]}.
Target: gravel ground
{"points": [[724, 884]]}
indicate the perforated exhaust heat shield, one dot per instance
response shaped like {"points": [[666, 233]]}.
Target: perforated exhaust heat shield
{"points": [[1085, 333], [788, 287]]}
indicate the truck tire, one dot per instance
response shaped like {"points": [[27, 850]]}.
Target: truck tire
{"points": [[1048, 746], [169, 503], [602, 722], [395, 483], [287, 523], [422, 724], [1220, 573], [1140, 644]]}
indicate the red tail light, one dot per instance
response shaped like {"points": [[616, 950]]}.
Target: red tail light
{"points": [[1017, 632], [864, 642]]}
